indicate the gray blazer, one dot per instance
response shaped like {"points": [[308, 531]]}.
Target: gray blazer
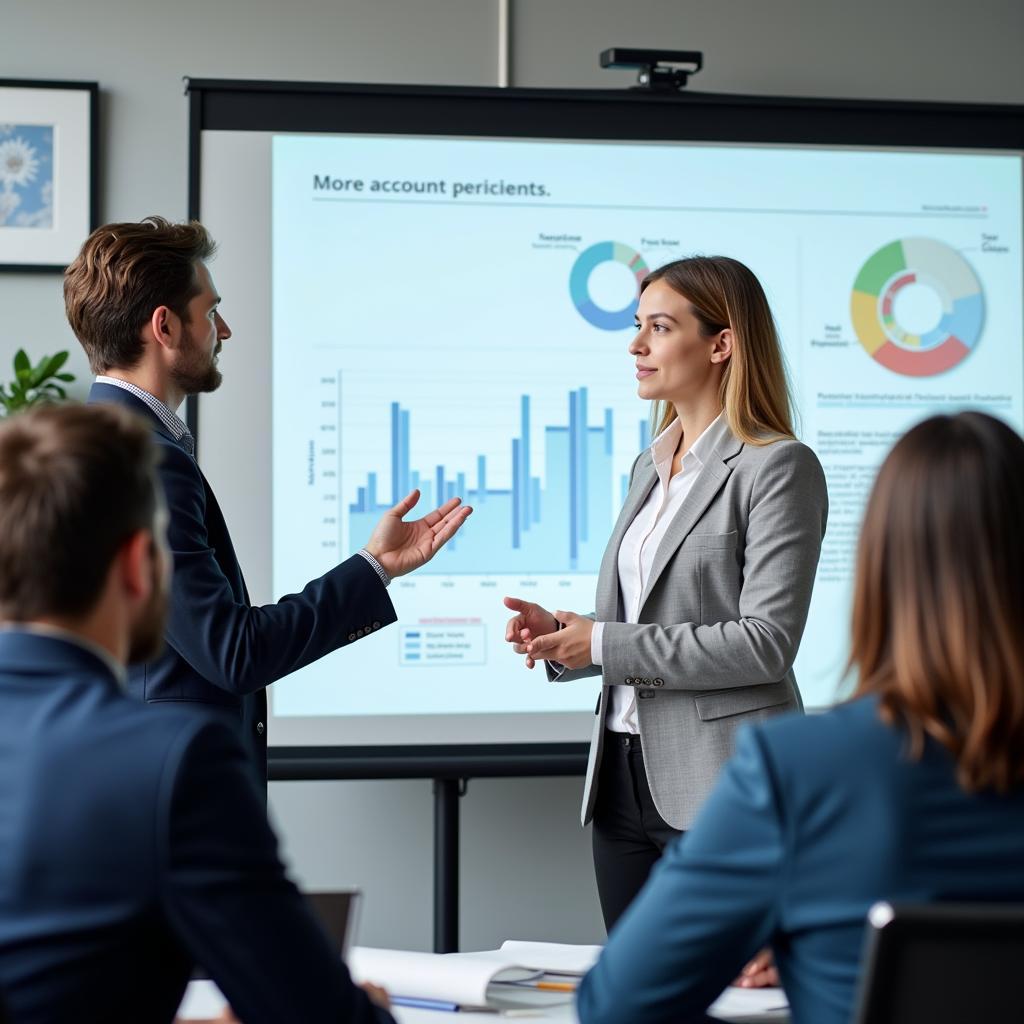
{"points": [[720, 618]]}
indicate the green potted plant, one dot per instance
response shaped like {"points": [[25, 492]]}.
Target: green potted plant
{"points": [[34, 385]]}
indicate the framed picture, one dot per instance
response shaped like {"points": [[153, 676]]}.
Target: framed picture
{"points": [[48, 178]]}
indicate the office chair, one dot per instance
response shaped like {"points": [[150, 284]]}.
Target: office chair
{"points": [[953, 963]]}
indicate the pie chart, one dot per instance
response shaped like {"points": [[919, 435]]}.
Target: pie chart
{"points": [[875, 307], [579, 284]]}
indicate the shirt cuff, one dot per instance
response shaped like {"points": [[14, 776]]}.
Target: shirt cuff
{"points": [[377, 567], [595, 642], [556, 667]]}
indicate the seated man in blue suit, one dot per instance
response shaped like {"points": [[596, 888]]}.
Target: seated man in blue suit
{"points": [[132, 844], [912, 792], [142, 303]]}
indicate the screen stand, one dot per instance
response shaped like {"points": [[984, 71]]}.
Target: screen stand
{"points": [[446, 863]]}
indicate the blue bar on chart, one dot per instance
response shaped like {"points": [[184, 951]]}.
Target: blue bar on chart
{"points": [[527, 528]]}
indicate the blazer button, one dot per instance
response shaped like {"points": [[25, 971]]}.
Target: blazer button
{"points": [[260, 728], [659, 682], [376, 625], [629, 680], [351, 636]]}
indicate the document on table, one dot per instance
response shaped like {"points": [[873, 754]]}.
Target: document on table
{"points": [[489, 978], [552, 957], [740, 1005], [202, 1001]]}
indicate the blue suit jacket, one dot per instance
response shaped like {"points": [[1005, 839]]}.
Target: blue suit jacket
{"points": [[812, 821], [221, 651], [133, 843]]}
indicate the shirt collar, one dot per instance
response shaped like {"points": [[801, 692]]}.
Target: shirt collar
{"points": [[664, 446], [167, 416], [117, 670]]}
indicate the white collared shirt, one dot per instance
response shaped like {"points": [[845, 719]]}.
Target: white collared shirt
{"points": [[641, 540], [163, 412]]}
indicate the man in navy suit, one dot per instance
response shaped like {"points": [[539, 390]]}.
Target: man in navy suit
{"points": [[141, 301], [132, 844]]}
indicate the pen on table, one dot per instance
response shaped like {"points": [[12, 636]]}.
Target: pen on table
{"points": [[416, 1003], [544, 986], [424, 1004]]}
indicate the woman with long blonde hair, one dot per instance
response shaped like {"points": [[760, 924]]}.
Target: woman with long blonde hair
{"points": [[703, 592], [911, 792]]}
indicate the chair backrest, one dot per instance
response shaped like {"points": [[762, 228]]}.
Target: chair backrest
{"points": [[952, 963]]}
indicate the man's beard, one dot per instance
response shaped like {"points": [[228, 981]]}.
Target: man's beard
{"points": [[146, 642], [194, 373]]}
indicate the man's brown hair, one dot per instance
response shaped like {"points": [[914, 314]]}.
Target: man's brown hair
{"points": [[76, 481], [122, 274], [938, 600]]}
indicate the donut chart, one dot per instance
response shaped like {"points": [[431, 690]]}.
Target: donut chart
{"points": [[579, 284], [921, 261]]}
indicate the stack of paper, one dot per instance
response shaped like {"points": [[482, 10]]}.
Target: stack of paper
{"points": [[496, 978], [552, 957]]}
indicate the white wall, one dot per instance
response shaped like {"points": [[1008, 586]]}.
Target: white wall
{"points": [[526, 866]]}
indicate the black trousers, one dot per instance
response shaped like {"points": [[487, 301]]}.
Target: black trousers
{"points": [[629, 834]]}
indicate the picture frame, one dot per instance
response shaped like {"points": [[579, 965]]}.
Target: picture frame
{"points": [[49, 181]]}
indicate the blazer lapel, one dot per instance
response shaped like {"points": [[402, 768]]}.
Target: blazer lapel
{"points": [[606, 605], [714, 474]]}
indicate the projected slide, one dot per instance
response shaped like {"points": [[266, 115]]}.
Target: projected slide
{"points": [[454, 315]]}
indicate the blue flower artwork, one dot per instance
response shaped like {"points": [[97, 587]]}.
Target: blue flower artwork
{"points": [[26, 175]]}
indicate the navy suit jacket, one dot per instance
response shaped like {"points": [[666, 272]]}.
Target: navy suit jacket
{"points": [[812, 821], [132, 844], [221, 651]]}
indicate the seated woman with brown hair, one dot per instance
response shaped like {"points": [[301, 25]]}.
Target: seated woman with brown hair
{"points": [[913, 791]]}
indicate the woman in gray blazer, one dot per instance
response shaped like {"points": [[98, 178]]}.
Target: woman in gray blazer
{"points": [[704, 588]]}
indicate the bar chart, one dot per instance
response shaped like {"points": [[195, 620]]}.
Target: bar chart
{"points": [[554, 521]]}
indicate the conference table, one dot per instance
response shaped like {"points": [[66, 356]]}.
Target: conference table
{"points": [[737, 1006]]}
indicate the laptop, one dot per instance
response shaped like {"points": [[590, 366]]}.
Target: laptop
{"points": [[338, 912]]}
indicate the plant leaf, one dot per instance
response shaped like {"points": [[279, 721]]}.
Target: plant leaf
{"points": [[56, 362], [21, 362], [39, 373], [65, 376]]}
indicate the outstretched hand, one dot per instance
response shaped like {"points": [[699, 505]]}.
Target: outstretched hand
{"points": [[401, 547]]}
